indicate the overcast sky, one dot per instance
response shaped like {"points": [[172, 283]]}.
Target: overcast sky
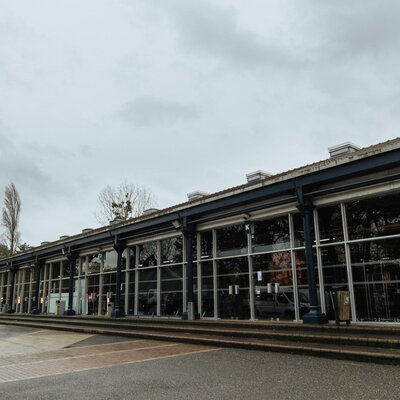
{"points": [[183, 95]]}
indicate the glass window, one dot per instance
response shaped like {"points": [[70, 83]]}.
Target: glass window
{"points": [[379, 216], [334, 265], [330, 224], [376, 276], [94, 264], [147, 291], [206, 244], [273, 268], [55, 271], [233, 288], [131, 293], [298, 230], [171, 290], [194, 246], [148, 254], [302, 280], [171, 250], [207, 289], [132, 258], [66, 267], [110, 261], [231, 241], [271, 234], [93, 294]]}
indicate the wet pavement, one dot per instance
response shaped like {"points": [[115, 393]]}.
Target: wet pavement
{"points": [[114, 368], [27, 353]]}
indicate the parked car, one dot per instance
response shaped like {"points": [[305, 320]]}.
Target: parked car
{"points": [[278, 304]]}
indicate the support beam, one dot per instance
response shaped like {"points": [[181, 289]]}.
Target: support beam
{"points": [[36, 306], [314, 316], [71, 256], [189, 231], [118, 311], [10, 308]]}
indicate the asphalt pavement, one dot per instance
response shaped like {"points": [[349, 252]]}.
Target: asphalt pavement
{"points": [[216, 374]]}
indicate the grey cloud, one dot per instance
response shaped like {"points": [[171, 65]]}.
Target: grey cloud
{"points": [[214, 30], [19, 166], [354, 28], [150, 111]]}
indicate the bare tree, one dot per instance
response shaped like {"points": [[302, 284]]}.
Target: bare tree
{"points": [[10, 217], [123, 202]]}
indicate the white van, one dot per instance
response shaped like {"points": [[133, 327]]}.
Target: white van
{"points": [[278, 304]]}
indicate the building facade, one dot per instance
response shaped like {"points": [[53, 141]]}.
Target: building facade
{"points": [[278, 247]]}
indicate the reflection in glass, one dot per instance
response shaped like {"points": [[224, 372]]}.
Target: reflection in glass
{"points": [[231, 241], [302, 280], [207, 289], [206, 244], [171, 250], [94, 264], [110, 261], [271, 300], [171, 290], [147, 303], [131, 293], [132, 257], [271, 234], [376, 276], [109, 281], [233, 288], [93, 294], [148, 254], [298, 230], [335, 275], [330, 224], [379, 216], [55, 271]]}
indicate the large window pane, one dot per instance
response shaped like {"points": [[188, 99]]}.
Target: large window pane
{"points": [[131, 293], [206, 244], [271, 234], [272, 300], [233, 288], [298, 230], [302, 280], [56, 270], [379, 216], [171, 250], [376, 276], [330, 224], [231, 241], [335, 275], [93, 294], [147, 291], [94, 264], [171, 290], [207, 289], [148, 254], [110, 261]]}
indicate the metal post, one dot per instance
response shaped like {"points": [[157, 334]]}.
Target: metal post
{"points": [[118, 311], [188, 232], [314, 316], [36, 307], [13, 271], [72, 262]]}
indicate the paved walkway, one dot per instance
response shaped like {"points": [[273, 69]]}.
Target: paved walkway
{"points": [[42, 353]]}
